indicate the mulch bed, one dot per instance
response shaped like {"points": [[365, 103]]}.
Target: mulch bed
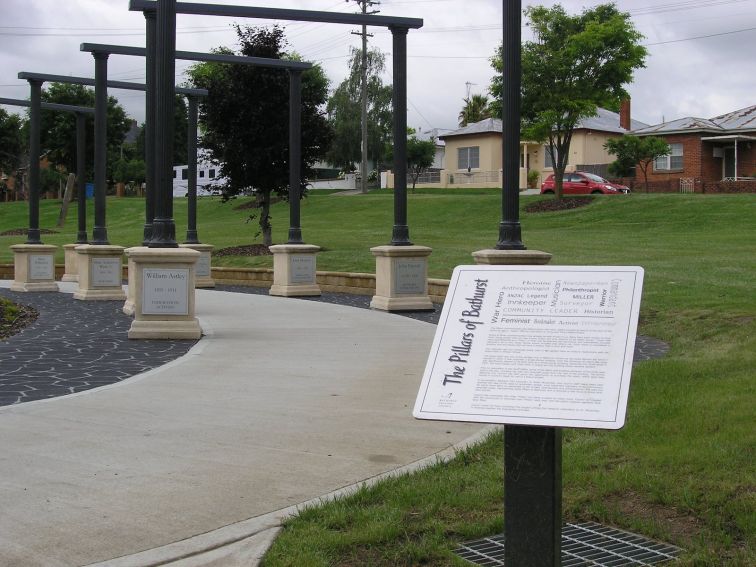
{"points": [[13, 323], [244, 250], [22, 231], [554, 204]]}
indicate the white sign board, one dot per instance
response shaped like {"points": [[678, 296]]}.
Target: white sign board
{"points": [[106, 272], [409, 277], [534, 345], [165, 291], [41, 267], [301, 269]]}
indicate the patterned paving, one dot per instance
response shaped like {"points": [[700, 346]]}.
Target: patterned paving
{"points": [[78, 345]]}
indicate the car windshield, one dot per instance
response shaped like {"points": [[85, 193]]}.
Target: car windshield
{"points": [[595, 178]]}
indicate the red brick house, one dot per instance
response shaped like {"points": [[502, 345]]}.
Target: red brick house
{"points": [[706, 151]]}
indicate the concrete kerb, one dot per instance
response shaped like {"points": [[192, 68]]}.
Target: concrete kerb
{"points": [[246, 542]]}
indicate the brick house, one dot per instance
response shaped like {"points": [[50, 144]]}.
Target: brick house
{"points": [[705, 151]]}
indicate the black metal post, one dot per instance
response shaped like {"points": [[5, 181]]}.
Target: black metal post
{"points": [[295, 154], [163, 226], [100, 231], [400, 233], [149, 128], [509, 227], [32, 236], [532, 496], [81, 176], [191, 230]]}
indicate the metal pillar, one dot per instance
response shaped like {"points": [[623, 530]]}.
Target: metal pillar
{"points": [[532, 496], [163, 226], [81, 164], [509, 227], [400, 233], [100, 231], [34, 117], [191, 229], [149, 128], [295, 154]]}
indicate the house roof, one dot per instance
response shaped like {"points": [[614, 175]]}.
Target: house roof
{"points": [[604, 121], [732, 122]]}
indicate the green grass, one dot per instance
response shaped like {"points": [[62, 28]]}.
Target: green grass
{"points": [[681, 470]]}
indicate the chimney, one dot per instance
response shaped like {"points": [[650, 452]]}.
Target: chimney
{"points": [[625, 114]]}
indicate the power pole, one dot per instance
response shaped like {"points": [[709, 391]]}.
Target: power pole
{"points": [[364, 4]]}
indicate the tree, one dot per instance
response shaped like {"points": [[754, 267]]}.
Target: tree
{"points": [[634, 150], [575, 65], [245, 120], [345, 114], [420, 154], [11, 141], [476, 109], [58, 129]]}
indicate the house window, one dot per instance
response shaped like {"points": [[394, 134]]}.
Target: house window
{"points": [[174, 174], [211, 174], [185, 173], [547, 159], [202, 173], [468, 158], [672, 161]]}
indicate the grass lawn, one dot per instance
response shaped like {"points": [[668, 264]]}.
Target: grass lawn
{"points": [[683, 468]]}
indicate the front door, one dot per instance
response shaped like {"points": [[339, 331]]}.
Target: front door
{"points": [[728, 165]]}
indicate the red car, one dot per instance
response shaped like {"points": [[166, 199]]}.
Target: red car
{"points": [[583, 183]]}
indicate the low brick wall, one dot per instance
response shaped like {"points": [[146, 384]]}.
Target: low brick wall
{"points": [[337, 282]]}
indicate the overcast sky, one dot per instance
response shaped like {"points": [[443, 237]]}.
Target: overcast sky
{"points": [[701, 52]]}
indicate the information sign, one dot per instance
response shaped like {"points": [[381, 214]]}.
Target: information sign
{"points": [[165, 291], [106, 272], [41, 267], [302, 268], [202, 267], [409, 276], [534, 345]]}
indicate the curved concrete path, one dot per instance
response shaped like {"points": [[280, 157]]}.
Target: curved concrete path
{"points": [[282, 402]]}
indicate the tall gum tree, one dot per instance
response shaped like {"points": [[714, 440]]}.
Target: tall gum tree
{"points": [[575, 64]]}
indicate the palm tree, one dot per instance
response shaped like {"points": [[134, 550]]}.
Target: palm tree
{"points": [[475, 110]]}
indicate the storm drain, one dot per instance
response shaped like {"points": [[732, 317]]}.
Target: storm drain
{"points": [[583, 545]]}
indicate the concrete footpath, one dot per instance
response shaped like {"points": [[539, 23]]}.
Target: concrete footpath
{"points": [[196, 462]]}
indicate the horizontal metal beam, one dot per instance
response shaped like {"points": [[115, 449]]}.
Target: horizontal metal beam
{"points": [[281, 14], [195, 56], [49, 105], [111, 84]]}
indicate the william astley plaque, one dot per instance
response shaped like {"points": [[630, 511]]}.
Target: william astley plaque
{"points": [[41, 267], [106, 272], [165, 291], [546, 345]]}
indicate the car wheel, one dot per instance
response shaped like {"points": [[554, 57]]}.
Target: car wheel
{"points": [[548, 192], [597, 192]]}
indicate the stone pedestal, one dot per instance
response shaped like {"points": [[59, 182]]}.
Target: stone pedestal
{"points": [[34, 267], [401, 278], [203, 275], [129, 306], [294, 270], [163, 292], [71, 273], [100, 273], [511, 257]]}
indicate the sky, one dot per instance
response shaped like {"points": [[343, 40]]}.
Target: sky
{"points": [[700, 62]]}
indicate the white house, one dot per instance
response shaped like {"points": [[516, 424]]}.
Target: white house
{"points": [[207, 176]]}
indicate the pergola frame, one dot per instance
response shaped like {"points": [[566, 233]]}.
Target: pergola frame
{"points": [[166, 11], [294, 68], [81, 112]]}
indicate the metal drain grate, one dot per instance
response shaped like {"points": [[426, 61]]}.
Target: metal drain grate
{"points": [[583, 545]]}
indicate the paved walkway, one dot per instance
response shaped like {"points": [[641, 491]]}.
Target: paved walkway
{"points": [[281, 402], [197, 460]]}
